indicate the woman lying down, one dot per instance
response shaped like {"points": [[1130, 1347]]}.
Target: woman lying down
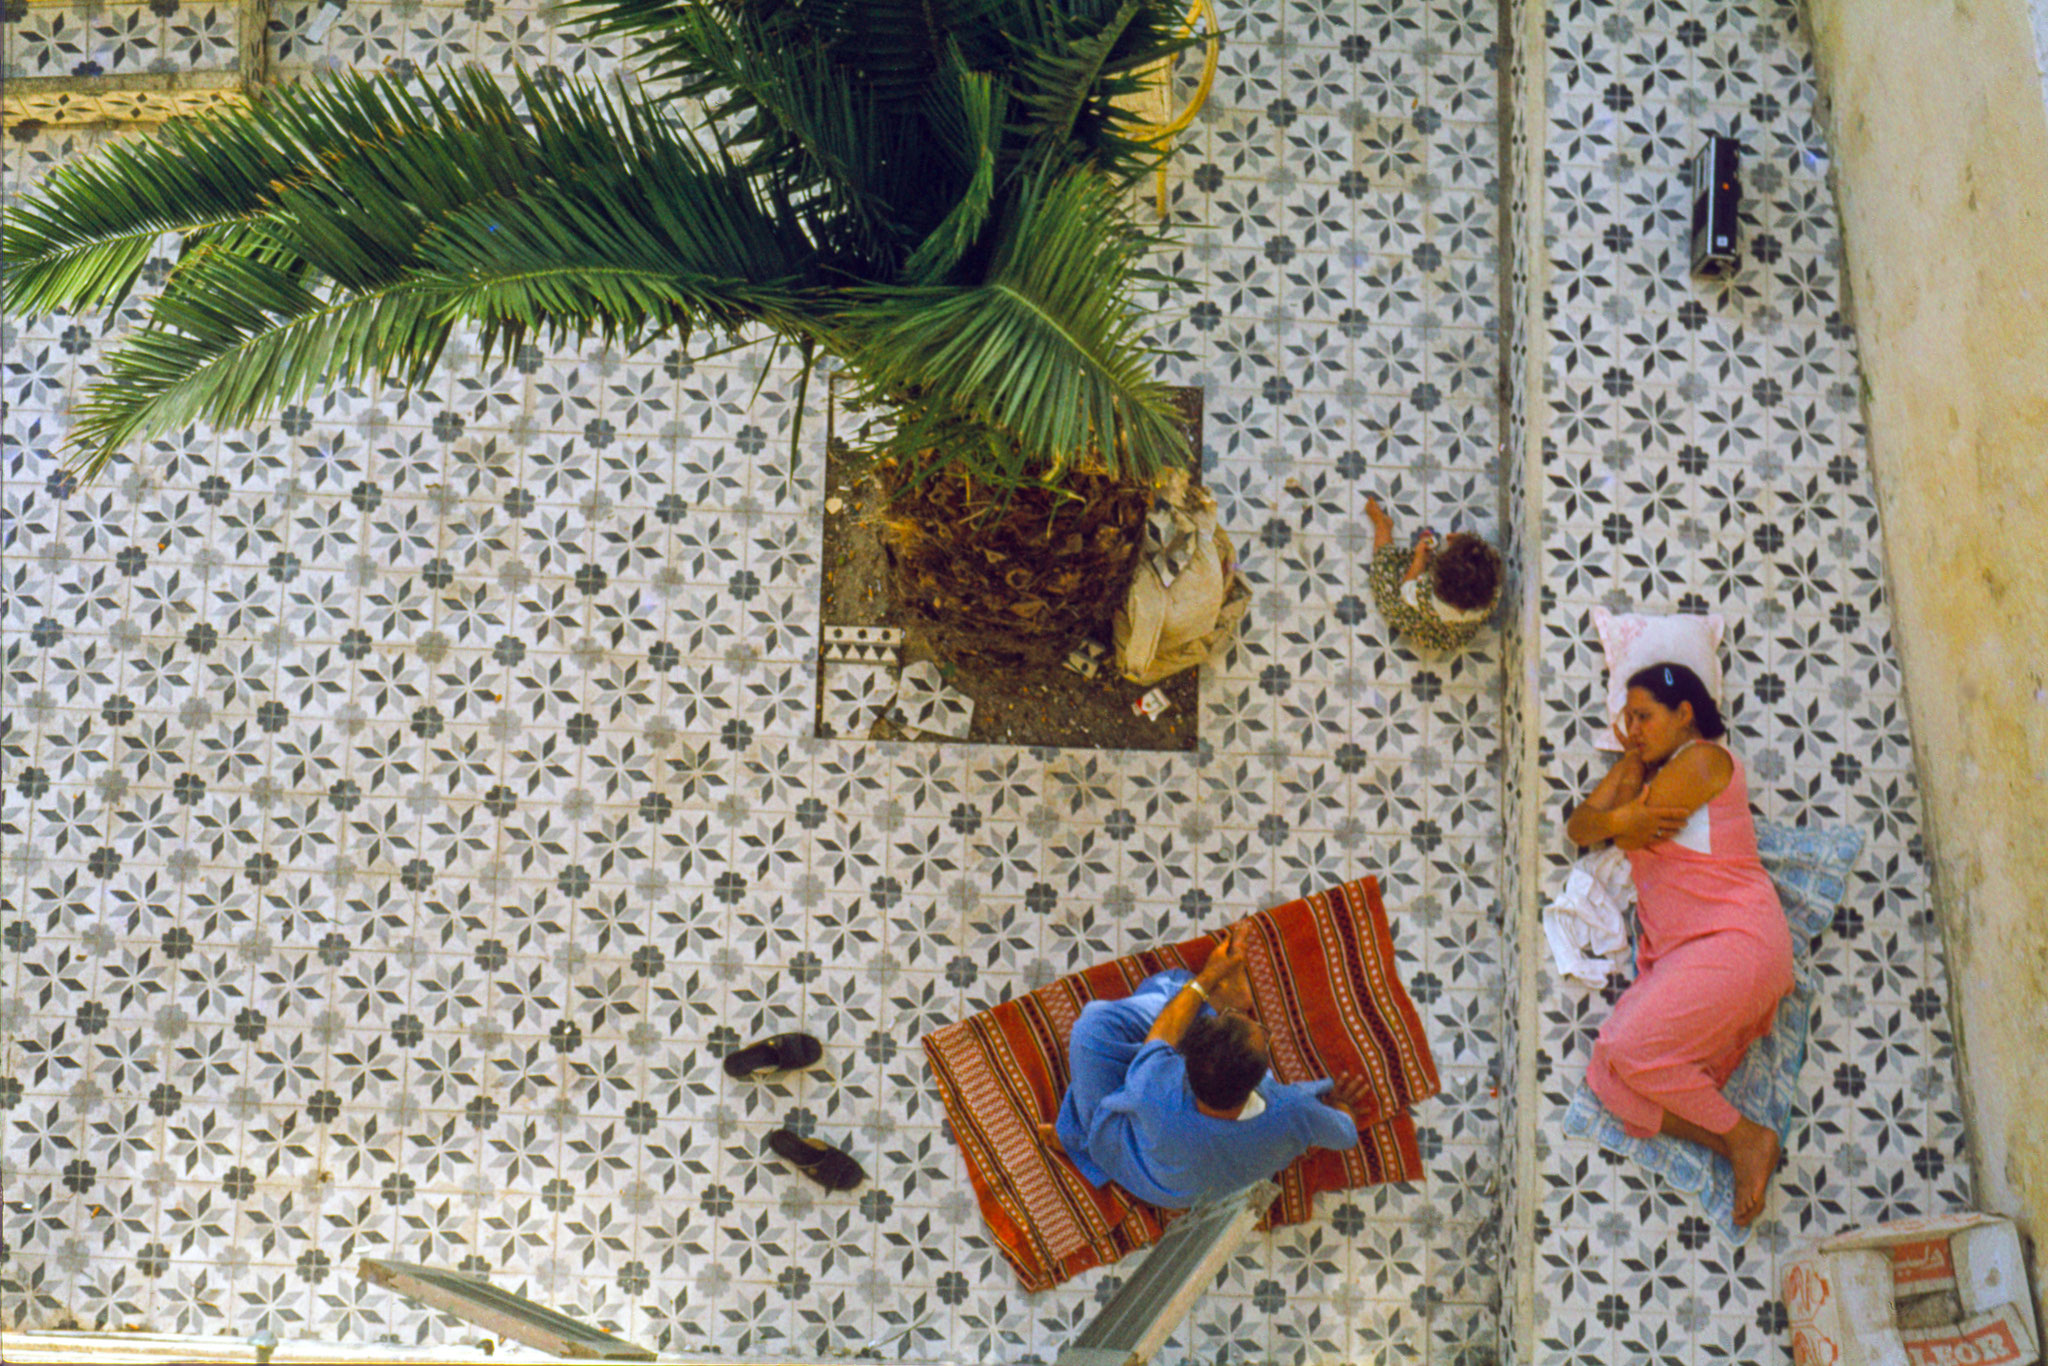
{"points": [[1715, 956]]}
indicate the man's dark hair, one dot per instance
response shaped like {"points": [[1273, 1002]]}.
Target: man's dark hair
{"points": [[1223, 1064], [1467, 572]]}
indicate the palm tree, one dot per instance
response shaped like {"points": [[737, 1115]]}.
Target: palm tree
{"points": [[937, 193]]}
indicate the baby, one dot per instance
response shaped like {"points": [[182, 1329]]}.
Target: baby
{"points": [[1443, 595]]}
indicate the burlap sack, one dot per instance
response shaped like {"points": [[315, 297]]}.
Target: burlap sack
{"points": [[1187, 596]]}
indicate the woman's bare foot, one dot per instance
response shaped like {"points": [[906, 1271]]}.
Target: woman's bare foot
{"points": [[1749, 1147], [1050, 1137], [1753, 1152]]}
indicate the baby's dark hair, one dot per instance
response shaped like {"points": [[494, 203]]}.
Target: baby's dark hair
{"points": [[1223, 1065], [1671, 684], [1467, 572]]}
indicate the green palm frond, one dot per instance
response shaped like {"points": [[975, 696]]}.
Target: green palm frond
{"points": [[1076, 61], [887, 47], [588, 215], [82, 237], [931, 190], [240, 338], [850, 166], [424, 152], [247, 347], [1048, 348], [625, 159], [967, 123], [593, 260], [847, 167]]}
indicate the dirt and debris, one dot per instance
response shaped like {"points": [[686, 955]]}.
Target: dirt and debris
{"points": [[1029, 704]]}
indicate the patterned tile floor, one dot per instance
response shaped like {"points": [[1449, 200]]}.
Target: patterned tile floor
{"points": [[406, 802], [1704, 451]]}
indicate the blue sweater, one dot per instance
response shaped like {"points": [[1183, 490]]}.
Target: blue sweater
{"points": [[1149, 1137]]}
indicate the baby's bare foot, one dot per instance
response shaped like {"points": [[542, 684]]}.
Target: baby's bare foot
{"points": [[1753, 1152]]}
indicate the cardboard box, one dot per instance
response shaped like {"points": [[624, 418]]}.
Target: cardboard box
{"points": [[2000, 1338], [1944, 1291], [1923, 1266]]}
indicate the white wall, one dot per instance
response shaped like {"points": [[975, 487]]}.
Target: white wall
{"points": [[1941, 142]]}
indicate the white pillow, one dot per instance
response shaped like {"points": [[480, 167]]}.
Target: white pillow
{"points": [[1633, 641]]}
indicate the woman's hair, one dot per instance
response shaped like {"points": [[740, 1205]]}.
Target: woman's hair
{"points": [[1223, 1065], [1671, 684], [1467, 572]]}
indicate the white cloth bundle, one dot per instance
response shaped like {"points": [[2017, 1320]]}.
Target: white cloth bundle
{"points": [[1587, 924]]}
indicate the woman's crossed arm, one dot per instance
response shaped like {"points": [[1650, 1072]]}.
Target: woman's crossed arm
{"points": [[1635, 809]]}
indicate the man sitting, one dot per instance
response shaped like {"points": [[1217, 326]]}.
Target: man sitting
{"points": [[1172, 1097]]}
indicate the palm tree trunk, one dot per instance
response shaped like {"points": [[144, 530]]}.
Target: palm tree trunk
{"points": [[1020, 580]]}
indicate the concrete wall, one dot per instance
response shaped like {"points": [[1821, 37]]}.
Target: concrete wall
{"points": [[1942, 162]]}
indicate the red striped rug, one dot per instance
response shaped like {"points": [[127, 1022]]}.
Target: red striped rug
{"points": [[1323, 983]]}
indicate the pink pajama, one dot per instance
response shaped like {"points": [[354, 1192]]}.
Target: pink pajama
{"points": [[1715, 959]]}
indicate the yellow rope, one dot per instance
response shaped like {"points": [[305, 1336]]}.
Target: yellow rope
{"points": [[1201, 18]]}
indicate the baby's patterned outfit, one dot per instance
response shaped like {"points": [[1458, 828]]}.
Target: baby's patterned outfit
{"points": [[1414, 610]]}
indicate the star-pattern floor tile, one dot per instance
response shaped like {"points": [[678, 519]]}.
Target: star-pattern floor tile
{"points": [[855, 694], [927, 703]]}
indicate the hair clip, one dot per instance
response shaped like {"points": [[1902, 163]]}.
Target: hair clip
{"points": [[1667, 677]]}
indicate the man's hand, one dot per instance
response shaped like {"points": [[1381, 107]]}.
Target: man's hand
{"points": [[1224, 976], [1232, 993], [1227, 958], [1349, 1094], [1222, 982], [1637, 825]]}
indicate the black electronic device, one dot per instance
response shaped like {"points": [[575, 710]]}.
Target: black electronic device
{"points": [[1716, 187]]}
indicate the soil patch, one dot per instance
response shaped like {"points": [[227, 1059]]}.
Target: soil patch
{"points": [[1028, 704]]}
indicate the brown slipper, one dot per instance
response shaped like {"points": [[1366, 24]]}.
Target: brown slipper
{"points": [[782, 1053], [817, 1159]]}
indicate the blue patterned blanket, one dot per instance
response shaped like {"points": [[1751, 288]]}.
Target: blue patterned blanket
{"points": [[1811, 870]]}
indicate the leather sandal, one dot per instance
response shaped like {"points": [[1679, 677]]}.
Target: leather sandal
{"points": [[782, 1053], [817, 1159]]}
